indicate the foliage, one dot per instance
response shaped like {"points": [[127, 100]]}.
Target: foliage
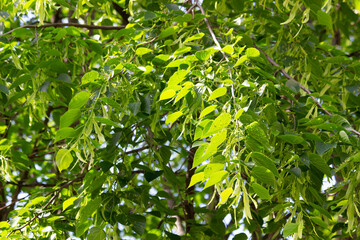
{"points": [[156, 119]]}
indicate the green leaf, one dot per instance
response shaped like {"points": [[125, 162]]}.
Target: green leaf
{"points": [[221, 91], [96, 233], [198, 157], [106, 121], [319, 222], [318, 162], [324, 19], [79, 100], [252, 53], [241, 60], [66, 132], [68, 202], [138, 223], [197, 177], [173, 117], [225, 195], [181, 51], [264, 175], [16, 60], [221, 122], [257, 133], [167, 32], [204, 55], [195, 37], [293, 85], [89, 77], [292, 139], [216, 178], [88, 210], [142, 51], [177, 77], [290, 228], [183, 92], [228, 49], [212, 168], [262, 160], [69, 117], [63, 159], [207, 110], [262, 192], [167, 94]]}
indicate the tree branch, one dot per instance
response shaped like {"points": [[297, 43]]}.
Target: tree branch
{"points": [[57, 192], [301, 86], [67, 25]]}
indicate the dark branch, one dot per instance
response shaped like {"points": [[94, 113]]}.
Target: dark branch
{"points": [[124, 15]]}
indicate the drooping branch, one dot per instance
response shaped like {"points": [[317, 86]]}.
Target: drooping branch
{"points": [[68, 25], [301, 86]]}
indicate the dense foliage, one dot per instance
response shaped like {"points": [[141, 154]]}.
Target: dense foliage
{"points": [[156, 119]]}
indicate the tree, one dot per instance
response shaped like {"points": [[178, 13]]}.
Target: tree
{"points": [[156, 119]]}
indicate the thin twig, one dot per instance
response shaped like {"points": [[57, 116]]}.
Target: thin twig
{"points": [[57, 192], [301, 86], [67, 25]]}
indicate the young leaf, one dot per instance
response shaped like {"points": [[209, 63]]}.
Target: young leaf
{"points": [[142, 51], [173, 117], [218, 93], [207, 110], [177, 77], [63, 159], [197, 177], [216, 178], [68, 202], [221, 122], [252, 53], [225, 195], [167, 94], [195, 37]]}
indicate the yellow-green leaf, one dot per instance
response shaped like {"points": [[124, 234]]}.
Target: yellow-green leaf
{"points": [[89, 77], [252, 53], [198, 177], [79, 100], [241, 60], [195, 37], [167, 94], [68, 202], [222, 121], [228, 49], [63, 159], [207, 110], [221, 91], [173, 117], [216, 178], [225, 195], [177, 77], [142, 51]]}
